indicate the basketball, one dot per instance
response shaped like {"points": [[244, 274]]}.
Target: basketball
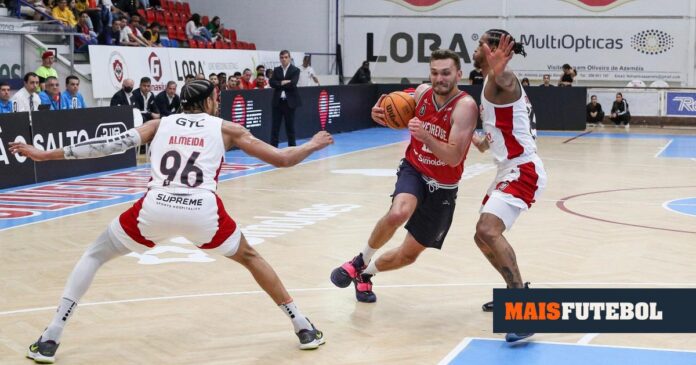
{"points": [[399, 108]]}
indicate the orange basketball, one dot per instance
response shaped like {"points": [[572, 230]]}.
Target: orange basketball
{"points": [[399, 108]]}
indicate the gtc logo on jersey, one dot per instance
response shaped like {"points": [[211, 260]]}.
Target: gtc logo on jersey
{"points": [[155, 66], [189, 123], [597, 5], [422, 5]]}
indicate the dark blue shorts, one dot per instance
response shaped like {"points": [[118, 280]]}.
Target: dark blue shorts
{"points": [[432, 218]]}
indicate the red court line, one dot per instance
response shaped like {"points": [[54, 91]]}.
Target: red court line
{"points": [[578, 136]]}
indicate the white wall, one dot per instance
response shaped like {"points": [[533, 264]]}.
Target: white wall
{"points": [[300, 25]]}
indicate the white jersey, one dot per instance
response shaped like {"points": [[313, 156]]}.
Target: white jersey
{"points": [[510, 128], [187, 153]]}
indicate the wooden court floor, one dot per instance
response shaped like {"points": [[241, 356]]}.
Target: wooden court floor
{"points": [[600, 223]]}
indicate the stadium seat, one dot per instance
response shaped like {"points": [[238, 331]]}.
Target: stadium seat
{"points": [[179, 8], [168, 19], [159, 17], [209, 45], [187, 10], [193, 43], [142, 13], [165, 42], [180, 33], [233, 35], [205, 20], [252, 46], [171, 32], [177, 19], [150, 15], [167, 6], [219, 45]]}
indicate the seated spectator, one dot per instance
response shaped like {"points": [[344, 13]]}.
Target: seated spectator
{"points": [[260, 82], [63, 14], [128, 38], [5, 103], [233, 83], [215, 29], [222, 81], [245, 81], [51, 96], [547, 81], [152, 35], [188, 78], [568, 76], [594, 114], [87, 36], [362, 75], [525, 82], [619, 112], [135, 28], [26, 99], [71, 97], [46, 69], [125, 95], [168, 101], [144, 100], [195, 30]]}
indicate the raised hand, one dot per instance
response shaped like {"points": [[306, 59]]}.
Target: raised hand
{"points": [[499, 58], [322, 139]]}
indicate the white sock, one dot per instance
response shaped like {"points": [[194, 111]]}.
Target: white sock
{"points": [[299, 321], [371, 268], [367, 253], [66, 308]]}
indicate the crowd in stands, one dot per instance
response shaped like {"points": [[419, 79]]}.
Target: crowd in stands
{"points": [[147, 23]]}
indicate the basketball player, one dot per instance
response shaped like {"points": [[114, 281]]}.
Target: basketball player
{"points": [[510, 131], [426, 185], [186, 153]]}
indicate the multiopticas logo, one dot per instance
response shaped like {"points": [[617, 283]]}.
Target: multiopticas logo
{"points": [[652, 42], [569, 41], [562, 311]]}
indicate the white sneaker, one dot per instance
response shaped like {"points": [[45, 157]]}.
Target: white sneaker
{"points": [[628, 127]]}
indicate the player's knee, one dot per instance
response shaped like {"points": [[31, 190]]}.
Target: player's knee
{"points": [[408, 257], [397, 216], [486, 233]]}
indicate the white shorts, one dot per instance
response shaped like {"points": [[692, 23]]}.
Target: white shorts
{"points": [[514, 190], [160, 216]]}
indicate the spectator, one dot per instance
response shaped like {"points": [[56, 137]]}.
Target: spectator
{"points": [[168, 101], [112, 36], [260, 82], [525, 82], [144, 100], [215, 29], [63, 14], [307, 75], [476, 77], [238, 75], [71, 97], [362, 75], [195, 30], [620, 113], [51, 95], [285, 98], [125, 95], [152, 35], [126, 8], [213, 78], [222, 81], [233, 83], [26, 99], [261, 70], [269, 74], [245, 81], [188, 78], [87, 37], [200, 76], [46, 69], [127, 38], [568, 76], [546, 81], [136, 33], [5, 103], [594, 114]]}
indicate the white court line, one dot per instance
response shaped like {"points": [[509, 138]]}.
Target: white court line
{"points": [[663, 148], [467, 341], [587, 338], [254, 292]]}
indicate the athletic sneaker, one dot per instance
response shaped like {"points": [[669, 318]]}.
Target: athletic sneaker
{"points": [[310, 339], [363, 289], [342, 276], [514, 337], [43, 352], [488, 307]]}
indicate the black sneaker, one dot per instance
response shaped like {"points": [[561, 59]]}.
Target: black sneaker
{"points": [[342, 276], [363, 289], [310, 339], [43, 352], [514, 337], [488, 307]]}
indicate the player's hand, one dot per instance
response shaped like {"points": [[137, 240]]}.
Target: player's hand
{"points": [[498, 59], [378, 112], [415, 126], [322, 139], [28, 150], [479, 141]]}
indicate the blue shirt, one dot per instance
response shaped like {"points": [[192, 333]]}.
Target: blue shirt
{"points": [[6, 107], [66, 101], [46, 99]]}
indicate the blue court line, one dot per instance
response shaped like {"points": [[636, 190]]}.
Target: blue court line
{"points": [[475, 351], [344, 143]]}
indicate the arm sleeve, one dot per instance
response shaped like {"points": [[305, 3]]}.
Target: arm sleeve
{"points": [[103, 146]]}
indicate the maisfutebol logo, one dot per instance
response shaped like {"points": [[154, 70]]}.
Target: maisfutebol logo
{"points": [[594, 310]]}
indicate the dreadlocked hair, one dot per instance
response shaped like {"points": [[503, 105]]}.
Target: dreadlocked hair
{"points": [[194, 94], [494, 36]]}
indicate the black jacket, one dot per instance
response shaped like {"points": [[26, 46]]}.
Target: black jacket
{"points": [[291, 94], [362, 76], [165, 108], [120, 98], [620, 108], [146, 109]]}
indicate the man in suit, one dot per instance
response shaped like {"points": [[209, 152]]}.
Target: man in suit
{"points": [[144, 100], [285, 98], [123, 96], [167, 101]]}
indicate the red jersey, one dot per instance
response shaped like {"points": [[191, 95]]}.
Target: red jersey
{"points": [[438, 122]]}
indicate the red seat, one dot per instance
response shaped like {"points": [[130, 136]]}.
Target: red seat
{"points": [[180, 33], [187, 10], [159, 16], [218, 44], [142, 13], [205, 20], [168, 19], [252, 46], [178, 8], [193, 43], [150, 15], [176, 19], [209, 45], [171, 32], [232, 35], [167, 6]]}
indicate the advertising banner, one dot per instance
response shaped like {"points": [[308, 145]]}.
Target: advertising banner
{"points": [[11, 62], [681, 104], [14, 169]]}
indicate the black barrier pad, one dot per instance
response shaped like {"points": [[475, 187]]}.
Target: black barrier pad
{"points": [[57, 128], [12, 171]]}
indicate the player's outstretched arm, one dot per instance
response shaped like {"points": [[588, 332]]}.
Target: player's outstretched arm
{"points": [[236, 135], [91, 148]]}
